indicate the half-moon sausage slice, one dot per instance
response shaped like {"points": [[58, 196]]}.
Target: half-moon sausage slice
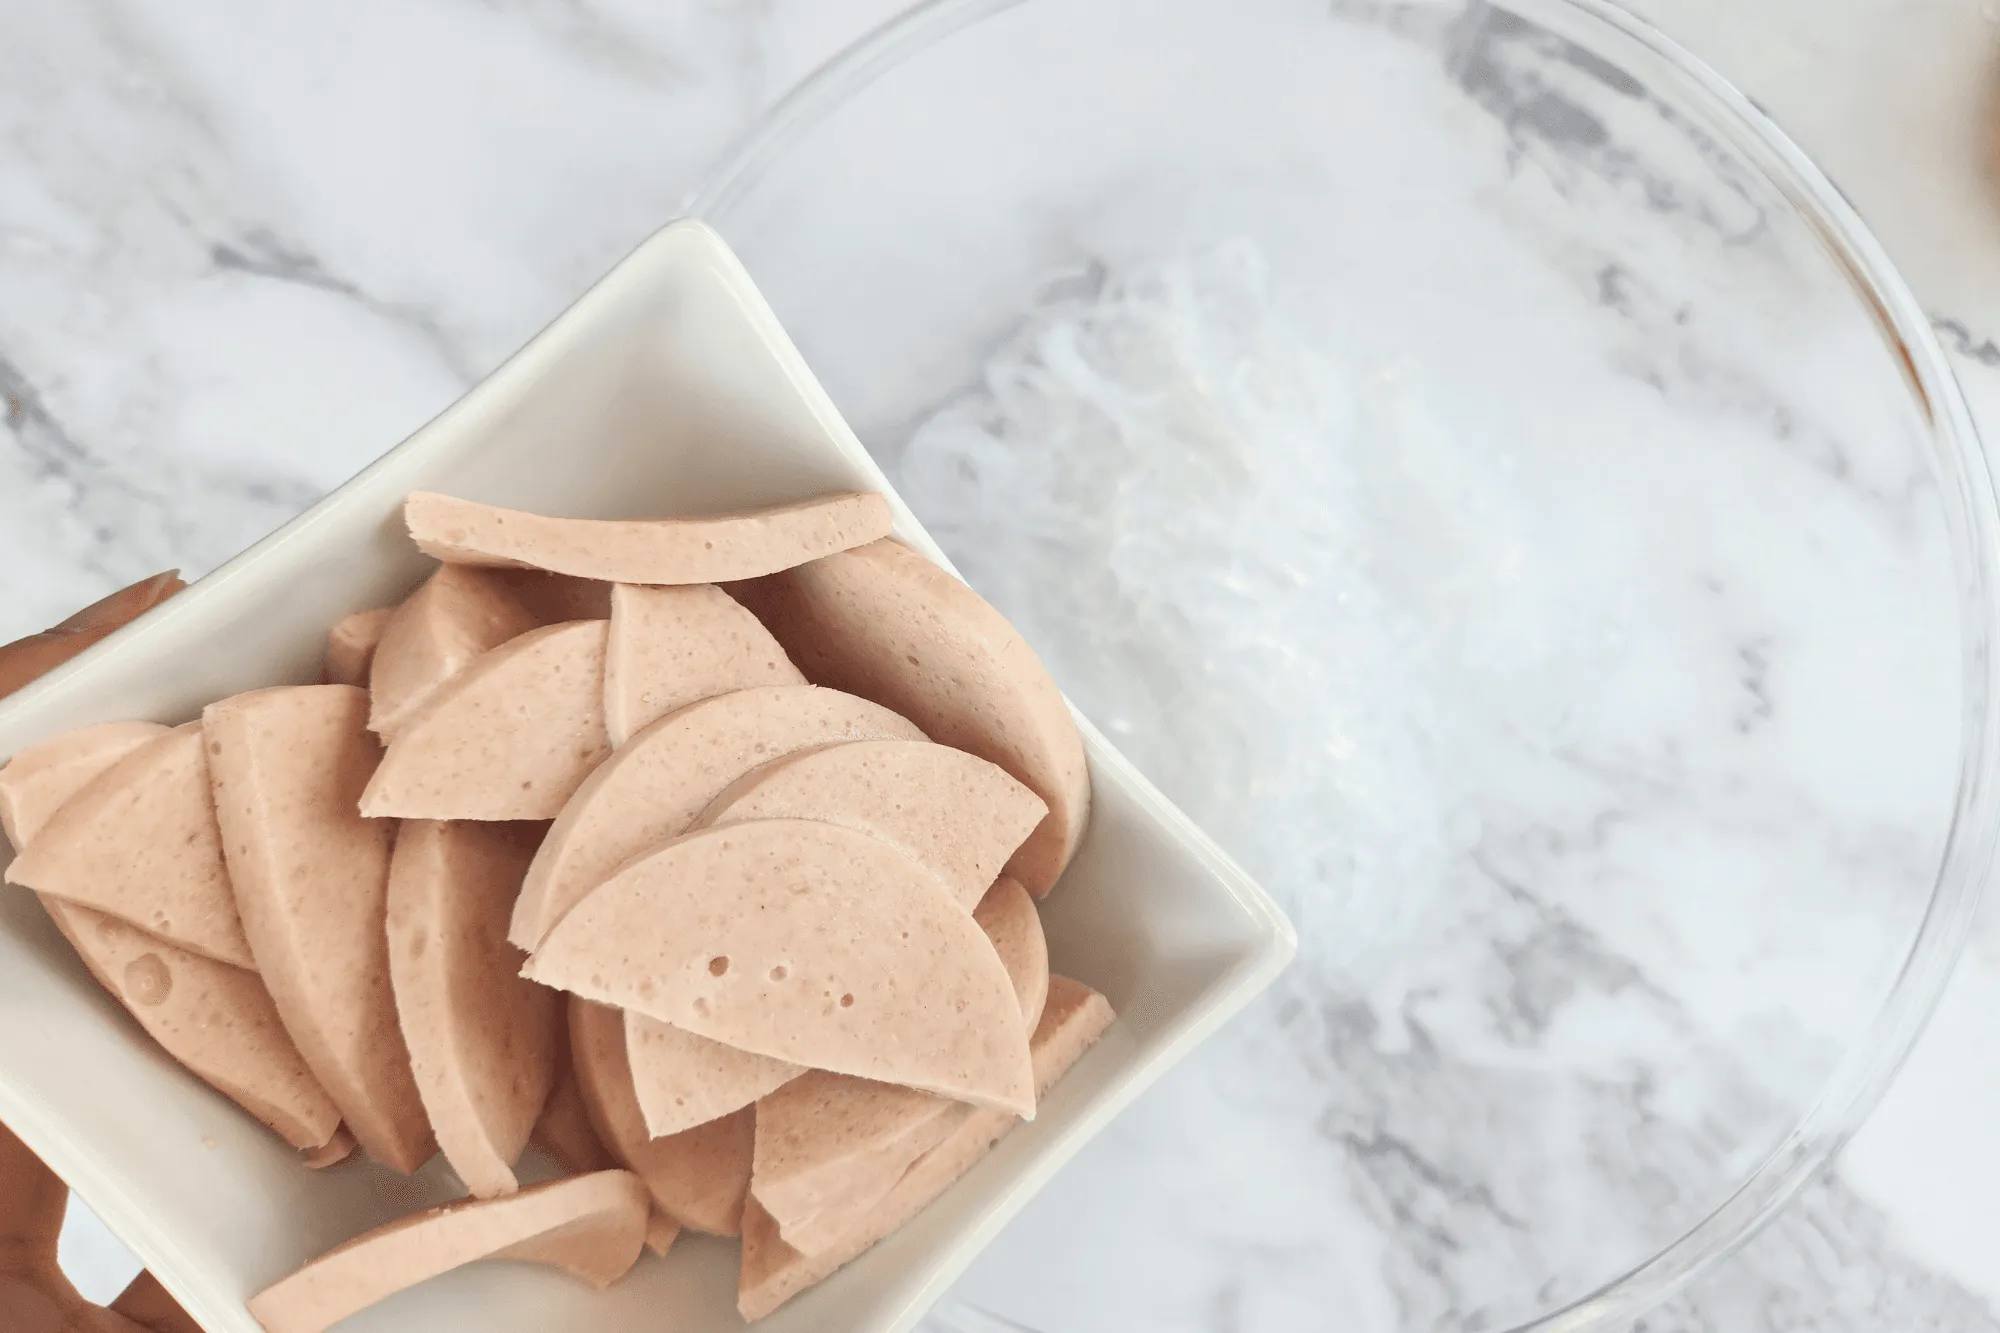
{"points": [[809, 943], [456, 616], [38, 781], [215, 1018], [312, 878], [655, 786], [710, 549], [509, 737], [592, 1226], [139, 841], [883, 622], [671, 647], [683, 1080], [482, 1038], [955, 814]]}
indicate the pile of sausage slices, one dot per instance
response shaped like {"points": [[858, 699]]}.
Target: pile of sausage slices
{"points": [[703, 853]]}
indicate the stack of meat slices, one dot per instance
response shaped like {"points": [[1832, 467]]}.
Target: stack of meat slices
{"points": [[703, 852]]}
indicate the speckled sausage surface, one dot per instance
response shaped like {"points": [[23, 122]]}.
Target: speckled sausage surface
{"points": [[671, 647], [482, 1038], [311, 877], [509, 737], [883, 622], [655, 786], [805, 942], [457, 615], [139, 842], [954, 813]]}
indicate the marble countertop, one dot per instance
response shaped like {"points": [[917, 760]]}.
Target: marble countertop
{"points": [[245, 248]]}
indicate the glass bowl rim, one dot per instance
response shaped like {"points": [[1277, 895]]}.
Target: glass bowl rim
{"points": [[1965, 489]]}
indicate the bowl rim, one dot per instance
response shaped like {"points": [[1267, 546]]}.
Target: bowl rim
{"points": [[1966, 491]]}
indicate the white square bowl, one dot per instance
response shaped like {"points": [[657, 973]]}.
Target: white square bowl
{"points": [[669, 388]]}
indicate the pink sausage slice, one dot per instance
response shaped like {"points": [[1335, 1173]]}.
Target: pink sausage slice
{"points": [[683, 1080], [671, 647], [955, 814], [509, 737], [459, 614], [350, 646], [216, 1019], [699, 1177], [312, 880], [482, 1038], [40, 779], [828, 1144], [887, 624], [139, 841], [656, 785], [592, 1226], [773, 1271], [809, 943], [711, 549]]}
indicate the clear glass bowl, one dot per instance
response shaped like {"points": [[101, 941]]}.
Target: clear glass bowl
{"points": [[1489, 477]]}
